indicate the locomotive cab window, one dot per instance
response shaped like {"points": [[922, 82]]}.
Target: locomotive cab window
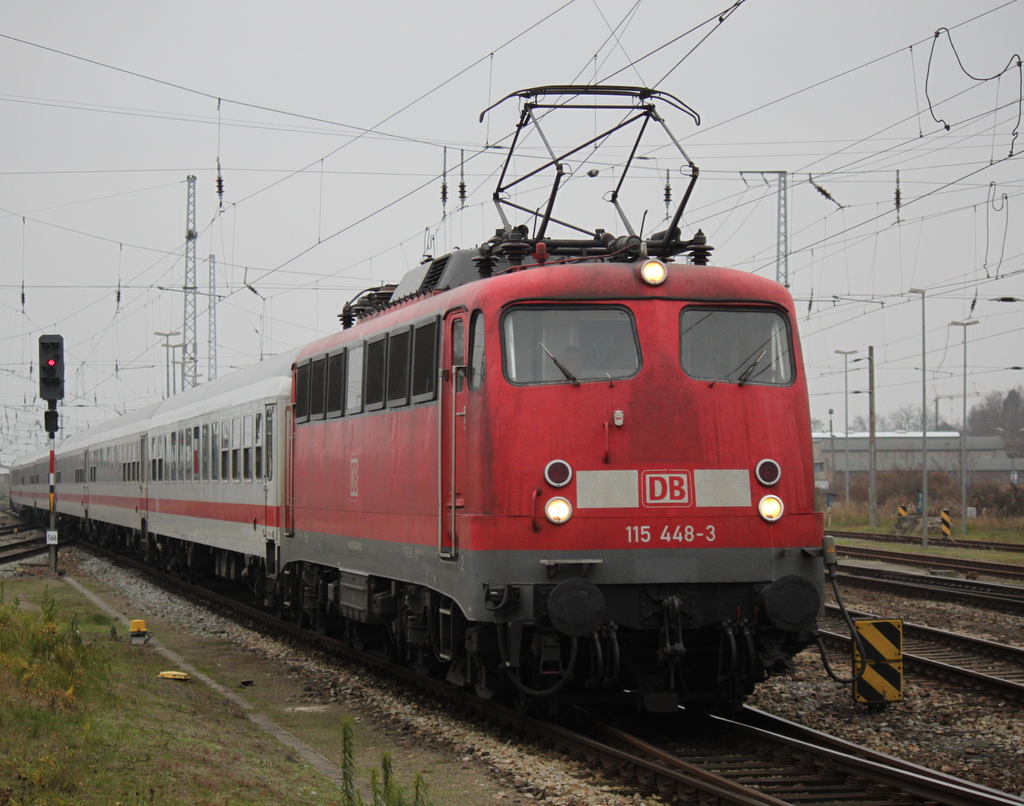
{"points": [[736, 345], [569, 345]]}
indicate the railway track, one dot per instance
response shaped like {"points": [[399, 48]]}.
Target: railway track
{"points": [[936, 541], [956, 564], [946, 655], [22, 549], [1005, 598], [757, 758], [756, 761]]}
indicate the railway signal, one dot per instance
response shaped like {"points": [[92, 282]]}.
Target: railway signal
{"points": [[51, 367], [51, 388]]}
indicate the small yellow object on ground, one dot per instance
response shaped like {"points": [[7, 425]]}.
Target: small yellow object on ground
{"points": [[175, 675]]}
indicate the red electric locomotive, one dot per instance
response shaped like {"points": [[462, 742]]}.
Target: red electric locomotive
{"points": [[550, 467]]}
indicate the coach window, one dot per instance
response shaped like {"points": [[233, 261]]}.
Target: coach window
{"points": [[225, 451], [172, 457], [205, 451], [354, 380], [236, 449], [335, 384], [569, 345], [214, 451], [373, 386], [188, 454], [398, 367], [194, 457], [258, 449], [247, 447], [477, 366], [424, 362], [733, 345], [317, 388], [302, 392]]}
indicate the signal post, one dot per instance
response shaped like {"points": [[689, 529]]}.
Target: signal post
{"points": [[51, 389]]}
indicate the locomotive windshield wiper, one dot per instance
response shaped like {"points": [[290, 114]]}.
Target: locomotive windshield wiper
{"points": [[564, 369], [747, 372]]}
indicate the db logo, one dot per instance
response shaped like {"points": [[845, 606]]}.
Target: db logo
{"points": [[666, 488]]}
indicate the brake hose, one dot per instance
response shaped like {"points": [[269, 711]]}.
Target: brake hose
{"points": [[828, 550]]}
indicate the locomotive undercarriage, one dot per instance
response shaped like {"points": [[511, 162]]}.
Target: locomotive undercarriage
{"points": [[657, 655], [649, 648]]}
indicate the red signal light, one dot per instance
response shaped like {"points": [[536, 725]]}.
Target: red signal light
{"points": [[52, 362]]}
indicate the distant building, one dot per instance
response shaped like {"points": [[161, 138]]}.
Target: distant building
{"points": [[986, 457]]}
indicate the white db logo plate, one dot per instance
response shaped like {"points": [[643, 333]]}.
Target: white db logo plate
{"points": [[667, 488]]}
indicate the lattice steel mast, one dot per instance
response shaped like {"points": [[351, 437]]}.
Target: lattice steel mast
{"points": [[190, 351]]}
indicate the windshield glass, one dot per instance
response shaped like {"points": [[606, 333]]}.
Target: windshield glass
{"points": [[569, 345], [736, 346]]}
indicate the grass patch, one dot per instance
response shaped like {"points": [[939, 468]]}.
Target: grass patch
{"points": [[85, 720]]}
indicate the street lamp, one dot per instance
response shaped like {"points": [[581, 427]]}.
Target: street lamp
{"points": [[963, 439], [924, 425], [846, 414], [167, 354]]}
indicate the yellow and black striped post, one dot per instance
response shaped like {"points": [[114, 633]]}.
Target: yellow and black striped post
{"points": [[902, 511], [946, 529], [882, 681]]}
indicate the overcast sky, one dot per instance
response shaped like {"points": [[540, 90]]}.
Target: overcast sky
{"points": [[330, 121]]}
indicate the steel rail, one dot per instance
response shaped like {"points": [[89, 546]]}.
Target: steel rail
{"points": [[958, 543], [1005, 570], [968, 649]]}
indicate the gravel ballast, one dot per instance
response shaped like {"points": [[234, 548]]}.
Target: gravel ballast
{"points": [[960, 731]]}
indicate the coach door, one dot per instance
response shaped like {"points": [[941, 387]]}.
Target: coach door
{"points": [[452, 437]]}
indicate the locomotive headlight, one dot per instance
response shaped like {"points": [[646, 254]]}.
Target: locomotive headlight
{"points": [[558, 510], [653, 272], [770, 508]]}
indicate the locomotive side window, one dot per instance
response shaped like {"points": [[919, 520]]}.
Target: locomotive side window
{"points": [[354, 384], [424, 362], [335, 384], [459, 351], [302, 392], [734, 345], [569, 345], [477, 367], [398, 367], [373, 388], [317, 388]]}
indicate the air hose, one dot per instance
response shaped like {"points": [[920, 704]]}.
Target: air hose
{"points": [[828, 550]]}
